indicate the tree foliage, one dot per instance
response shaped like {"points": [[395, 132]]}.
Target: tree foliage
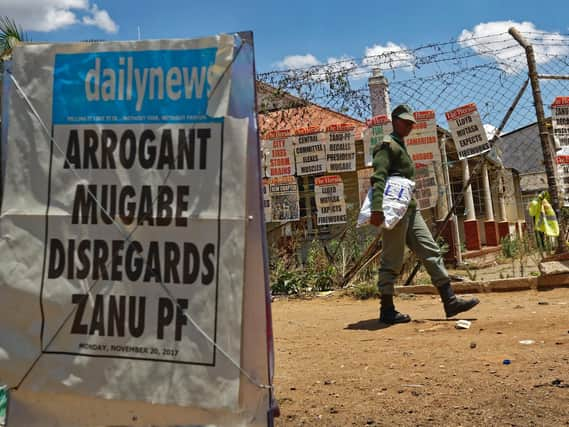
{"points": [[10, 35]]}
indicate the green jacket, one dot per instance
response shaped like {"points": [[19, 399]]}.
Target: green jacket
{"points": [[389, 158]]}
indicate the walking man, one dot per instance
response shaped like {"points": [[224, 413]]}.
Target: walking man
{"points": [[391, 158]]}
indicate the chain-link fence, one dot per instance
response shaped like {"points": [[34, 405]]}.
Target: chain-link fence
{"points": [[490, 71]]}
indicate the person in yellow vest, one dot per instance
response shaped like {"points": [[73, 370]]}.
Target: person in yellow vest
{"points": [[545, 220]]}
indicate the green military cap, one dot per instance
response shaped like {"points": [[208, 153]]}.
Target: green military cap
{"points": [[403, 112]]}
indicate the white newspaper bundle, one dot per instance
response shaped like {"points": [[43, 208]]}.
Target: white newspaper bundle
{"points": [[397, 195]]}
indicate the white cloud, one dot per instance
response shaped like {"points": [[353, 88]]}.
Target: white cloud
{"points": [[101, 19], [51, 15], [491, 40], [298, 61], [389, 56]]}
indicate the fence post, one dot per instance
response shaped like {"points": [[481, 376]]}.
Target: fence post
{"points": [[448, 190], [543, 133]]}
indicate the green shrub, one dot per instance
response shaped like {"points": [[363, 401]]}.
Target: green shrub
{"points": [[365, 290], [289, 283]]}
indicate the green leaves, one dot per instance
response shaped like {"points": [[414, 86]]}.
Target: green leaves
{"points": [[10, 35]]}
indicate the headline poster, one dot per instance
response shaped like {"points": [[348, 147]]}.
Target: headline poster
{"points": [[341, 148], [426, 189], [125, 263], [377, 128], [279, 153], [422, 143], [284, 199], [330, 202], [310, 152], [467, 131], [560, 119]]}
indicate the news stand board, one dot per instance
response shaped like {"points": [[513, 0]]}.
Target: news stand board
{"points": [[131, 217]]}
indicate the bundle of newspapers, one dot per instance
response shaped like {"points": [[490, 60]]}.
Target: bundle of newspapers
{"points": [[397, 195]]}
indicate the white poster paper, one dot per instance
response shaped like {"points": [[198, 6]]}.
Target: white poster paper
{"points": [[377, 128], [310, 151], [284, 199], [426, 189], [267, 201], [560, 119], [364, 183], [330, 202], [341, 148], [264, 152], [422, 143], [279, 153], [467, 131], [123, 230]]}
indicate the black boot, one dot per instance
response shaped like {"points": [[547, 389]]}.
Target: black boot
{"points": [[453, 304], [388, 314]]}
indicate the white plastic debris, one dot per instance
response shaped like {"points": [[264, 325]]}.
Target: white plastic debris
{"points": [[365, 210], [463, 324], [527, 342]]}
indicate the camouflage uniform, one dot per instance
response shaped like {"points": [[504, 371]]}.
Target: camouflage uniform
{"points": [[389, 159]]}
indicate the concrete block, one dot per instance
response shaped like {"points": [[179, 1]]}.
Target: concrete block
{"points": [[554, 267]]}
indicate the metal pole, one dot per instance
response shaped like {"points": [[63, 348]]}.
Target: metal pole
{"points": [[552, 77], [543, 133], [455, 234]]}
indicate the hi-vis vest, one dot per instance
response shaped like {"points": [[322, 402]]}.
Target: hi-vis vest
{"points": [[545, 218]]}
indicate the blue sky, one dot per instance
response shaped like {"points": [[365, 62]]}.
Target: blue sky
{"points": [[288, 33]]}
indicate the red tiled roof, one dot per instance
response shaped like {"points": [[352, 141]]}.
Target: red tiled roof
{"points": [[301, 114]]}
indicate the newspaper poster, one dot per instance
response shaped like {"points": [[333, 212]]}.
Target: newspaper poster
{"points": [[467, 131], [422, 143], [377, 128], [426, 188], [560, 119], [267, 201], [309, 151], [341, 148], [563, 174], [279, 153], [330, 202], [284, 199], [364, 183], [125, 206]]}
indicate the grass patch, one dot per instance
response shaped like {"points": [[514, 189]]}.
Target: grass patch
{"points": [[365, 290]]}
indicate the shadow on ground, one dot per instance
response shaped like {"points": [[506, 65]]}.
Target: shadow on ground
{"points": [[368, 325]]}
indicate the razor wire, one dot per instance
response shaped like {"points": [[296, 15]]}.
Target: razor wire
{"points": [[485, 70]]}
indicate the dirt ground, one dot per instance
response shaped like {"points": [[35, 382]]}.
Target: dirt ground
{"points": [[336, 365]]}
